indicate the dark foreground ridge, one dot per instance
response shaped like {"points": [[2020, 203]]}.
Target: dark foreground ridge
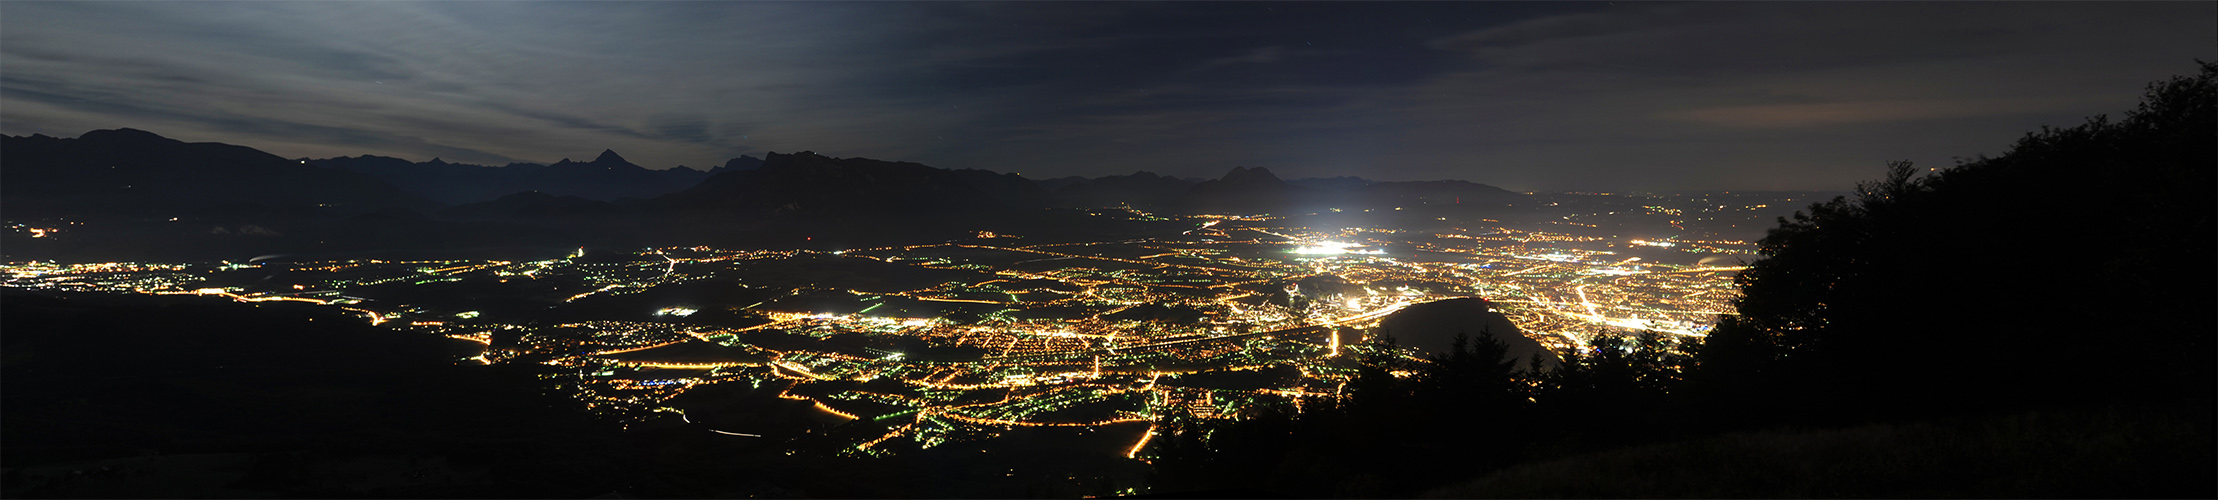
{"points": [[128, 396], [140, 396], [1868, 356], [2069, 454]]}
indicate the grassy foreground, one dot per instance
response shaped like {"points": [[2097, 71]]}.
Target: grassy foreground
{"points": [[2086, 454]]}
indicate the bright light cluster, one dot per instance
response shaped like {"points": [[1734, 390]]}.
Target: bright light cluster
{"points": [[1334, 248]]}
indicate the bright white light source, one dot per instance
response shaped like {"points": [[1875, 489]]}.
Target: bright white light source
{"points": [[1323, 248], [675, 311], [1334, 248]]}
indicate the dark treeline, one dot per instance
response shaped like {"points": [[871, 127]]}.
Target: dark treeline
{"points": [[2038, 323], [1469, 410]]}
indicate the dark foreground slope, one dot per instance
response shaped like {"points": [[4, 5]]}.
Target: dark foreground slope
{"points": [[136, 396], [192, 397], [2079, 454], [1934, 337], [1909, 342], [1963, 267]]}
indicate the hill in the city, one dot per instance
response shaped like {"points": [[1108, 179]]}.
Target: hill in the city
{"points": [[1432, 327]]}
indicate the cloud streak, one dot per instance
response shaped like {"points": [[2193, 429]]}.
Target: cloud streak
{"points": [[1530, 96]]}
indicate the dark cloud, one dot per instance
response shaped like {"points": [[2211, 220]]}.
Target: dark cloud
{"points": [[1525, 95]]}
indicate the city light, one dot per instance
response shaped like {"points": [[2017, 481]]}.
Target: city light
{"points": [[1065, 334]]}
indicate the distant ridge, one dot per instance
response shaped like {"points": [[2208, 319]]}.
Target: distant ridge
{"points": [[741, 163], [218, 199], [533, 206], [448, 183], [1257, 190], [609, 177], [135, 173], [1244, 189], [1142, 189], [807, 183]]}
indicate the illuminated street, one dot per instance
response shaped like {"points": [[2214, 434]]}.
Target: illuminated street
{"points": [[962, 340]]}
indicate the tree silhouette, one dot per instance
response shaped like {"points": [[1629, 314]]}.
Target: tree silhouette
{"points": [[1619, 391], [1985, 287], [1476, 379], [1981, 287]]}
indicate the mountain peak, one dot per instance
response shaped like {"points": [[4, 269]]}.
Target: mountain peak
{"points": [[122, 134], [1251, 175], [742, 163], [609, 156]]}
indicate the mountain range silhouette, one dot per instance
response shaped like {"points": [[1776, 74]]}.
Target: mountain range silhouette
{"points": [[137, 180]]}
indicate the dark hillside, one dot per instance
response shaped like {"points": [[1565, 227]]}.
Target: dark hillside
{"points": [[607, 178], [2038, 323], [809, 184], [300, 400], [533, 205], [1143, 190], [1970, 270], [1431, 328], [134, 174], [451, 183], [1244, 190], [2088, 454], [138, 396]]}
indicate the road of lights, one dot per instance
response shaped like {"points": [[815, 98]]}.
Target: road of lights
{"points": [[1062, 334]]}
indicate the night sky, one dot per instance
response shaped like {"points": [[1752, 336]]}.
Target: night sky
{"points": [[1528, 96]]}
